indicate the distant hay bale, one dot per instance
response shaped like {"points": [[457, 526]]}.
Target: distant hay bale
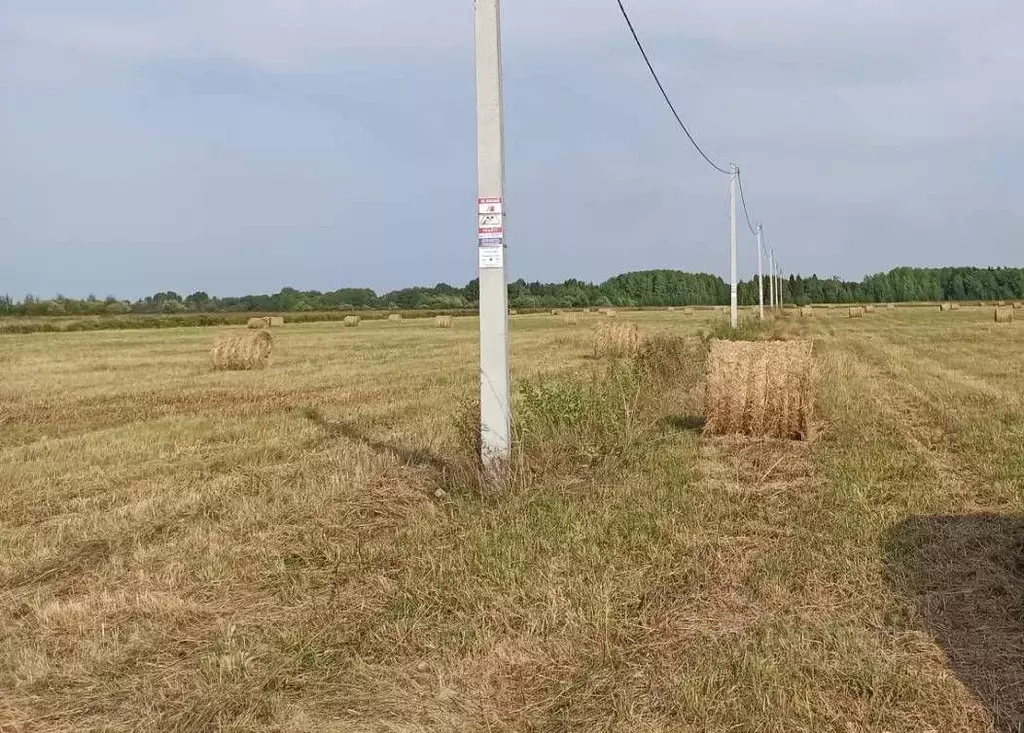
{"points": [[760, 389], [945, 307], [954, 306], [258, 323], [513, 312], [241, 350], [671, 308], [891, 306], [556, 312], [856, 312], [276, 321], [571, 319], [869, 309], [617, 340], [395, 317], [444, 322], [610, 313], [1004, 315], [720, 309], [351, 321], [687, 311], [806, 312], [1018, 306], [1001, 304]]}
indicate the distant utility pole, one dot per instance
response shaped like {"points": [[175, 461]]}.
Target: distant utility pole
{"points": [[495, 415], [771, 276], [760, 272], [734, 310]]}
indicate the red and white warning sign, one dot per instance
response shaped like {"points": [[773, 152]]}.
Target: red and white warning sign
{"points": [[491, 217]]}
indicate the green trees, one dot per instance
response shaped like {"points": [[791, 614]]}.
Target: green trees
{"points": [[632, 289]]}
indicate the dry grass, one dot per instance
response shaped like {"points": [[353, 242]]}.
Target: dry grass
{"points": [[1004, 315], [258, 323], [760, 389], [444, 321], [617, 340], [184, 549], [241, 350], [351, 321]]}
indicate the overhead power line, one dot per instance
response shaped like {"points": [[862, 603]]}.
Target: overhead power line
{"points": [[746, 213], [668, 101]]}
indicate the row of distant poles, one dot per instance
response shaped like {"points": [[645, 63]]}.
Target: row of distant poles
{"points": [[495, 393]]}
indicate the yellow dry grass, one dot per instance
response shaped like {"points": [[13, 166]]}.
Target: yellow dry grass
{"points": [[760, 389], [241, 350], [286, 549], [617, 340]]}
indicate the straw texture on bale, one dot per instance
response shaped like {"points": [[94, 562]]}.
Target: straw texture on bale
{"points": [[856, 312], [760, 389], [395, 317], [571, 319], [258, 323], [444, 321], [351, 321], [869, 309], [806, 312], [276, 321], [241, 350], [617, 340], [1004, 315]]}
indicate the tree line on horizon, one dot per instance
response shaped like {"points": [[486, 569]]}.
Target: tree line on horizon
{"points": [[633, 289]]}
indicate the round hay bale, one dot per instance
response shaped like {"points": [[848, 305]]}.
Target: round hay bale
{"points": [[395, 317], [571, 319], [891, 306], [1004, 315], [954, 306], [1018, 306], [276, 321], [241, 350], [806, 312], [513, 312], [687, 311], [556, 312], [351, 321], [856, 312], [760, 389], [946, 307], [258, 323], [869, 309], [444, 321], [610, 313]]}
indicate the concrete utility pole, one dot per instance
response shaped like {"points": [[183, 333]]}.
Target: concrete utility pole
{"points": [[760, 272], [495, 415], [734, 310], [771, 276]]}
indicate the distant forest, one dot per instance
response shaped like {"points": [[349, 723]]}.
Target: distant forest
{"points": [[634, 289]]}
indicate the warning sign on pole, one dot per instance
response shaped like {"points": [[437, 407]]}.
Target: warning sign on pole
{"points": [[491, 218]]}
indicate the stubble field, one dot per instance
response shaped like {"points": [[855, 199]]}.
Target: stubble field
{"points": [[303, 549]]}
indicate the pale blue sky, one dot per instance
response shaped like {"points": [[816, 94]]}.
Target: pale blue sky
{"points": [[235, 146]]}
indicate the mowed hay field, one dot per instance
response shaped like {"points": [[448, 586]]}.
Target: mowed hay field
{"points": [[297, 548]]}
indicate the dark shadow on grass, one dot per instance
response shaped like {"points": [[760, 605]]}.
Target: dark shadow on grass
{"points": [[409, 456], [965, 578], [685, 423]]}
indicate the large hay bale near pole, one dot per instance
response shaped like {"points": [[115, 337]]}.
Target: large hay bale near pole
{"points": [[856, 312], [444, 322], [241, 350], [258, 323], [760, 389], [1004, 315], [617, 340], [351, 321]]}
